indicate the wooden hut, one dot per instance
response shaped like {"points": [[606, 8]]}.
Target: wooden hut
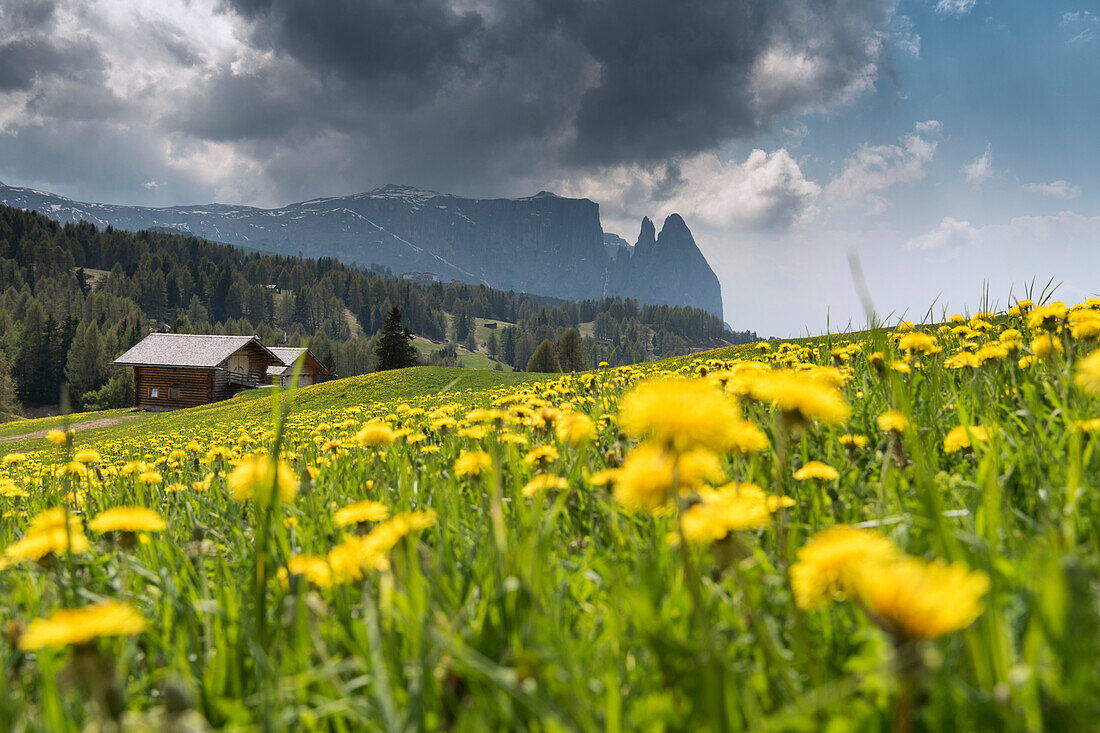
{"points": [[312, 372], [173, 370]]}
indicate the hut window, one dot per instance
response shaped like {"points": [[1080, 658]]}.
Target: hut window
{"points": [[174, 393], [154, 392]]}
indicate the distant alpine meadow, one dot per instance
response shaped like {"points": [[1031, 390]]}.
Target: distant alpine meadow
{"points": [[896, 529]]}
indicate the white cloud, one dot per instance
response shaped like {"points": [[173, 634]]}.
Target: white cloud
{"points": [[873, 169], [954, 7], [951, 234], [1054, 189], [1081, 25], [979, 170], [765, 192]]}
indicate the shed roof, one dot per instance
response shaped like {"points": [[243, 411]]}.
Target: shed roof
{"points": [[287, 354], [290, 354], [186, 350]]}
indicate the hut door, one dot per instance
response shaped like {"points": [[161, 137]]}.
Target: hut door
{"points": [[238, 364]]}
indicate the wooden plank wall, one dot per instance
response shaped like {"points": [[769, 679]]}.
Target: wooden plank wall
{"points": [[221, 384], [196, 387]]}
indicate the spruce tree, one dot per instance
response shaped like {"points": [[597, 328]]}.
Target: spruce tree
{"points": [[569, 352], [9, 402], [543, 361], [86, 365], [394, 348]]}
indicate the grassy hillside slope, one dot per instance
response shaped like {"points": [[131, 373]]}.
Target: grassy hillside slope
{"points": [[256, 405]]}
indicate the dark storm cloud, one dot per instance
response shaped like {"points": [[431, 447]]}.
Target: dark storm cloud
{"points": [[326, 96], [401, 48], [30, 51], [671, 77]]}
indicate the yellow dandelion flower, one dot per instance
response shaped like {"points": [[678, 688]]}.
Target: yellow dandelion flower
{"points": [[679, 414], [603, 477], [49, 533], [127, 519], [86, 456], [387, 534], [375, 435], [574, 428], [14, 459], [991, 352], [150, 478], [313, 568], [361, 511], [9, 489], [67, 627], [921, 600], [960, 437], [347, 560], [827, 563], [1084, 324], [918, 343], [1012, 339], [57, 437], [699, 466], [1088, 374], [853, 441], [474, 432], [645, 480], [544, 482], [736, 507], [513, 438], [892, 421], [801, 398], [256, 478], [1047, 317], [1046, 346], [540, 456], [473, 463], [818, 471], [745, 437]]}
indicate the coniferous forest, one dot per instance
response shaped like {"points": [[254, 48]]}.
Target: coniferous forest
{"points": [[73, 297]]}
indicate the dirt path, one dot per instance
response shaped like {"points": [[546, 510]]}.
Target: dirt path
{"points": [[105, 422]]}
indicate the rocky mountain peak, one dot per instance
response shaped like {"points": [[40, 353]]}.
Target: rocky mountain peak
{"points": [[669, 269], [544, 244]]}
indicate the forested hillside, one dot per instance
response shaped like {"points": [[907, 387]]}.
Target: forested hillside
{"points": [[73, 297]]}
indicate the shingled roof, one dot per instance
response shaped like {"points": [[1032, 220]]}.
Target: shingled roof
{"points": [[186, 350], [287, 354]]}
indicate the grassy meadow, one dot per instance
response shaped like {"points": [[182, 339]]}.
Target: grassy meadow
{"points": [[892, 530]]}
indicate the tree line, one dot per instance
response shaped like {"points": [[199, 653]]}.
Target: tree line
{"points": [[74, 296]]}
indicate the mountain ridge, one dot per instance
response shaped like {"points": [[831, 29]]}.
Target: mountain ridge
{"points": [[545, 243]]}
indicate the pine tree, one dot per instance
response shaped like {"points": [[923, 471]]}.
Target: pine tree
{"points": [[9, 402], [394, 348], [508, 346], [31, 356], [86, 366], [542, 361], [569, 352], [461, 323]]}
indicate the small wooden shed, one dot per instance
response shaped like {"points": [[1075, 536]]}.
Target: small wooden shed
{"points": [[312, 372], [174, 370]]}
